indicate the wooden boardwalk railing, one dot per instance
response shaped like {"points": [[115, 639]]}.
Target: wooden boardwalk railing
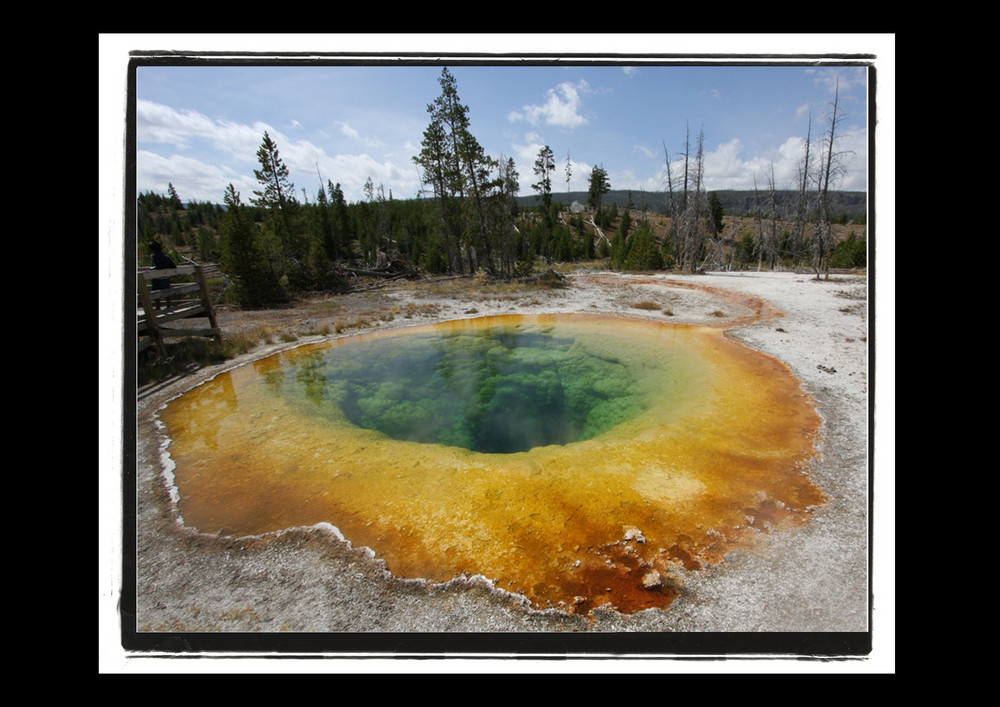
{"points": [[187, 300]]}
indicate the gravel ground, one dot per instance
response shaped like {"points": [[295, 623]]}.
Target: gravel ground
{"points": [[307, 590]]}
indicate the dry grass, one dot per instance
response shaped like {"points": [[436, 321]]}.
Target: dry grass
{"points": [[415, 309], [647, 305], [244, 330]]}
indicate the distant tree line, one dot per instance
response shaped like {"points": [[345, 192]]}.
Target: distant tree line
{"points": [[274, 243]]}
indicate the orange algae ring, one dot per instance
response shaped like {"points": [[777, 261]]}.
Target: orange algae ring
{"points": [[689, 444]]}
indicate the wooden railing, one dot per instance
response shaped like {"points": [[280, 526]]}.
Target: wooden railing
{"points": [[182, 300]]}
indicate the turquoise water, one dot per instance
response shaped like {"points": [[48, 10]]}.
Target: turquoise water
{"points": [[499, 389]]}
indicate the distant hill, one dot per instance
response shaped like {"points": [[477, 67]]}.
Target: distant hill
{"points": [[853, 204]]}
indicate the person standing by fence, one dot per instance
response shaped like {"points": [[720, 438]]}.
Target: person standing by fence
{"points": [[161, 261]]}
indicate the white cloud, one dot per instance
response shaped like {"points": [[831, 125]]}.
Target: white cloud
{"points": [[156, 123], [525, 155], [162, 124], [561, 107], [644, 150], [351, 171], [853, 146], [729, 167], [242, 141], [236, 146], [351, 132], [195, 180], [845, 79], [725, 163]]}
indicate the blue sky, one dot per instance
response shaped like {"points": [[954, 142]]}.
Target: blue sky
{"points": [[199, 128]]}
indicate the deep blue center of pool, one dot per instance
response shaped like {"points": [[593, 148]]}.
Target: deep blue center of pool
{"points": [[496, 390]]}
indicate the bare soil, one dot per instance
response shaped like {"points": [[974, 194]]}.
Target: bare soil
{"points": [[311, 581]]}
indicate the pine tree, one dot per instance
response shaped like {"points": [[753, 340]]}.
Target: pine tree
{"points": [[342, 230], [277, 197], [277, 188], [459, 172], [643, 253], [599, 186], [715, 211], [324, 226], [174, 199], [544, 165], [618, 250], [438, 162], [244, 258], [505, 238]]}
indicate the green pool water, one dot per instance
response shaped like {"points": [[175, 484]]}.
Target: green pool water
{"points": [[499, 389]]}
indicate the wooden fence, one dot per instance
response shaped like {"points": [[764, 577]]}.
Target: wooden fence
{"points": [[182, 300]]}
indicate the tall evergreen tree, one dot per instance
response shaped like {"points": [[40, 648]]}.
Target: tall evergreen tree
{"points": [[343, 232], [599, 186], [276, 187], [244, 258], [545, 163], [277, 197], [439, 170], [175, 200], [715, 211], [619, 250], [544, 166], [502, 213], [458, 170], [324, 226]]}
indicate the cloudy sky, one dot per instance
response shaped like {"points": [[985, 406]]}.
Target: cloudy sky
{"points": [[199, 128]]}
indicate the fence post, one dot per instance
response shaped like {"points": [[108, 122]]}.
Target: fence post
{"points": [[147, 307], [206, 301]]}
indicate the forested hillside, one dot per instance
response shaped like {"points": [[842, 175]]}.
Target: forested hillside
{"points": [[844, 205], [271, 245]]}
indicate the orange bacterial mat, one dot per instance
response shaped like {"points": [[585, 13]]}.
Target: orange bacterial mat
{"points": [[677, 446]]}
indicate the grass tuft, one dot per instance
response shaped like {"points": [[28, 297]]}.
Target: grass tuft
{"points": [[647, 304]]}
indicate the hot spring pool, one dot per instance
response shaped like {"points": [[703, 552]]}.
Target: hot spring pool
{"points": [[577, 460]]}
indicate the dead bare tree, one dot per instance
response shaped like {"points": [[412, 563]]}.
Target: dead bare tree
{"points": [[802, 207], [759, 219], [696, 240], [687, 204], [684, 215], [671, 199], [832, 169], [774, 216], [735, 242], [679, 206]]}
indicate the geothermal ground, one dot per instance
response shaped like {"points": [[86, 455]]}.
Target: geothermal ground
{"points": [[310, 581]]}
